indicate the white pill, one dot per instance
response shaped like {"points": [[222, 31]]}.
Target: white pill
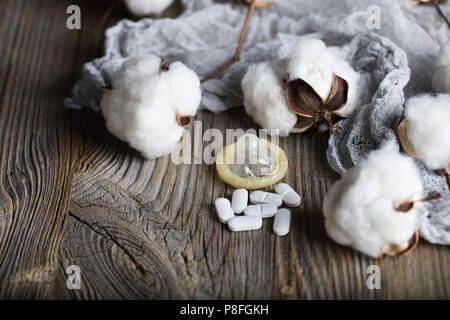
{"points": [[261, 210], [223, 209], [244, 223], [290, 197], [239, 200], [282, 222], [260, 197]]}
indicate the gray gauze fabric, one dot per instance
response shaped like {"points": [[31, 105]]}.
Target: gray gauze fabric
{"points": [[428, 18], [204, 38]]}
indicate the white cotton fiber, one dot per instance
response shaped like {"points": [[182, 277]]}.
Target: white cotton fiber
{"points": [[428, 128], [264, 84], [441, 78], [345, 71], [141, 108], [182, 81], [264, 97], [147, 7], [360, 210], [313, 62]]}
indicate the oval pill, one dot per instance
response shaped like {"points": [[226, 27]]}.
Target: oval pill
{"points": [[290, 197], [223, 209], [260, 197], [282, 222], [261, 210], [244, 223], [239, 200]]}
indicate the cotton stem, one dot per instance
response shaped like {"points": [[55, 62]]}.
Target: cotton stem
{"points": [[237, 54], [408, 205], [439, 10]]}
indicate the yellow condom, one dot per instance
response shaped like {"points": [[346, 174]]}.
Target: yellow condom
{"points": [[227, 158]]}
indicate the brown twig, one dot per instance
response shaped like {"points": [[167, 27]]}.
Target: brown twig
{"points": [[447, 178], [439, 10], [237, 54], [162, 66], [432, 197], [408, 205]]}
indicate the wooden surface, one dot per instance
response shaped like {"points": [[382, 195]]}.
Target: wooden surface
{"points": [[70, 193]]}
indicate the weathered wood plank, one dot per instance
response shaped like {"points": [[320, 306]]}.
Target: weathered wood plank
{"points": [[170, 209], [36, 156], [70, 193]]}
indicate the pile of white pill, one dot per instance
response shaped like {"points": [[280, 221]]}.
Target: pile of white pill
{"points": [[263, 205]]}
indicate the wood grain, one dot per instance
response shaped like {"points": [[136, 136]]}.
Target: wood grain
{"points": [[70, 193]]}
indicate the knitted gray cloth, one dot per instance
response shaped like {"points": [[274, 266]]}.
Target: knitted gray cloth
{"points": [[206, 34]]}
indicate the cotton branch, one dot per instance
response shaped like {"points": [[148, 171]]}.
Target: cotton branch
{"points": [[237, 54], [439, 10]]}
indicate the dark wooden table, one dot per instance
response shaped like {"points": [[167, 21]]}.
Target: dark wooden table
{"points": [[72, 194]]}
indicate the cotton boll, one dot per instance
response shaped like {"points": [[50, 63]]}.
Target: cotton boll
{"points": [[146, 7], [186, 84], [441, 78], [312, 62], [143, 105], [428, 129], [360, 209], [138, 68], [264, 97], [345, 71], [264, 85]]}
